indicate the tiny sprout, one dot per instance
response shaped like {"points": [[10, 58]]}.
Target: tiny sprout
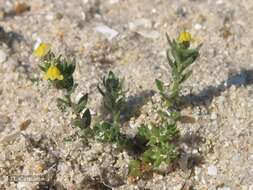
{"points": [[113, 102], [42, 50], [59, 72], [113, 96]]}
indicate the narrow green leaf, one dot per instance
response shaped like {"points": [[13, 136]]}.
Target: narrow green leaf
{"points": [[86, 118], [159, 85], [168, 39], [43, 68], [83, 122], [176, 56], [77, 123], [100, 90], [80, 107], [186, 63], [185, 76], [83, 99], [171, 63], [74, 86]]}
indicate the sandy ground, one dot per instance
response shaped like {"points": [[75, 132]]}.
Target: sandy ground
{"points": [[128, 37]]}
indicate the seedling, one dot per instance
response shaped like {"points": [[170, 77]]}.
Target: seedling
{"points": [[162, 135], [59, 72], [113, 102]]}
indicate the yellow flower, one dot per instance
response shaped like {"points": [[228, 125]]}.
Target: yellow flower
{"points": [[42, 50], [53, 73], [184, 37]]}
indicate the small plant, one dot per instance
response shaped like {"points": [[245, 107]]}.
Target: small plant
{"points": [[59, 72], [161, 136], [113, 102]]}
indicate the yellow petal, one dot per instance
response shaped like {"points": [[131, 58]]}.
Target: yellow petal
{"points": [[60, 77], [184, 37], [42, 50], [45, 77], [53, 73]]}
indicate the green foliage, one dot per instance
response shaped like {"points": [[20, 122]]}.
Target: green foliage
{"points": [[160, 149], [113, 102], [162, 135], [82, 120], [66, 67], [180, 56], [113, 96], [135, 168], [107, 132], [157, 140]]}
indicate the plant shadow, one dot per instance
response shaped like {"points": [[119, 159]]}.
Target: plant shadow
{"points": [[205, 97], [131, 107], [190, 158], [9, 38], [134, 104]]}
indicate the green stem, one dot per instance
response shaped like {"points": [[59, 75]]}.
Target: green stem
{"points": [[72, 105]]}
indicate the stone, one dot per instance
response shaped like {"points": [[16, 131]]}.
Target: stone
{"points": [[212, 170], [3, 56], [149, 34], [143, 27], [50, 16], [224, 188], [198, 26], [219, 2], [141, 23], [109, 33], [114, 1], [213, 116]]}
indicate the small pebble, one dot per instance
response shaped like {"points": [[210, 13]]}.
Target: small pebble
{"points": [[109, 33], [141, 23], [114, 1], [20, 8], [219, 2], [224, 188], [50, 16], [198, 26], [212, 170], [3, 56], [149, 34], [213, 116]]}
